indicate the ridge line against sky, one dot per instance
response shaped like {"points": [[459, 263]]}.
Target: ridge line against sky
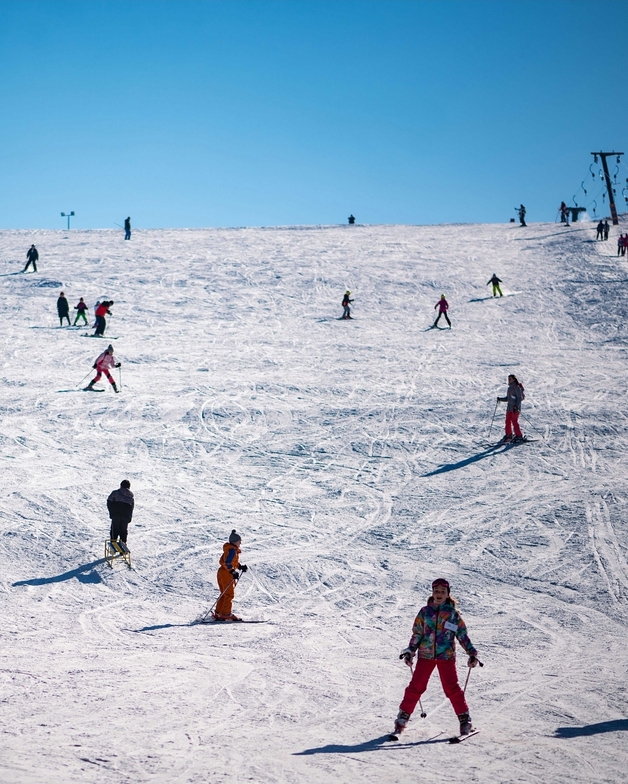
{"points": [[270, 112]]}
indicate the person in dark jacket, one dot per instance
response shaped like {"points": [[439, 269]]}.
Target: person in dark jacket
{"points": [[127, 229], [607, 229], [495, 281], [63, 309], [32, 256], [514, 396], [600, 231], [120, 505]]}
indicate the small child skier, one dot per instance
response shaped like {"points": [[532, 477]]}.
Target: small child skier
{"points": [[345, 304], [435, 630], [80, 312], [102, 365], [495, 281], [443, 307], [228, 577], [514, 396]]}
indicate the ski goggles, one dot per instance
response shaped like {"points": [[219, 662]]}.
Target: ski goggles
{"points": [[440, 581]]}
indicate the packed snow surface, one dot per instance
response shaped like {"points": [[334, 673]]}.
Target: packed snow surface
{"points": [[351, 456]]}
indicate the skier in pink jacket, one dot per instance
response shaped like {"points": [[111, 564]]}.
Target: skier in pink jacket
{"points": [[102, 365], [443, 307]]}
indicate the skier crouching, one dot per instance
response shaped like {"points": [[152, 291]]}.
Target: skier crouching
{"points": [[102, 365], [228, 577], [435, 630]]}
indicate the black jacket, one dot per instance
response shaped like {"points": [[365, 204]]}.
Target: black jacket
{"points": [[63, 307], [32, 254], [120, 505]]}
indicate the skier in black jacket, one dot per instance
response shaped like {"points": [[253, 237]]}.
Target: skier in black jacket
{"points": [[120, 505], [63, 309], [32, 255]]}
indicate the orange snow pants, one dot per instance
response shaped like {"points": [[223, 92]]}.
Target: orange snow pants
{"points": [[448, 677], [226, 584]]}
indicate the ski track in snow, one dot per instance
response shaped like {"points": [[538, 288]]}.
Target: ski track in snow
{"points": [[350, 457]]}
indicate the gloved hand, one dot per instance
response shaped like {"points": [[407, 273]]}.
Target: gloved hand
{"points": [[118, 364], [473, 661], [93, 367], [234, 574], [244, 568], [407, 655]]}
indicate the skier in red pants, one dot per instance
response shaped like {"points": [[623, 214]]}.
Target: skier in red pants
{"points": [[514, 396], [102, 365], [435, 630]]}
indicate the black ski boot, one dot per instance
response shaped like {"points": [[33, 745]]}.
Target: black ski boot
{"points": [[465, 723], [400, 724], [115, 388]]}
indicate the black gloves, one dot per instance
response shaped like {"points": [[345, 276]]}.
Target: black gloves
{"points": [[118, 364], [244, 568], [234, 574], [473, 661]]}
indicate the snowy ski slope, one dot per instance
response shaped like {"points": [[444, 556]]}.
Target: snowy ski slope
{"points": [[350, 457]]}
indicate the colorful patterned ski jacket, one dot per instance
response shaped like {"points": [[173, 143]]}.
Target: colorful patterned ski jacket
{"points": [[435, 631]]}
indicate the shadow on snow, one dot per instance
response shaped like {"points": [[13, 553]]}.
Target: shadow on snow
{"points": [[617, 725], [84, 574], [368, 745], [468, 461]]}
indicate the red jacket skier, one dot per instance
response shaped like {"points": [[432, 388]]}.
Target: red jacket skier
{"points": [[102, 365]]}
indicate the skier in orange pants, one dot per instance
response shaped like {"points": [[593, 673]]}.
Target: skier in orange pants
{"points": [[228, 577]]}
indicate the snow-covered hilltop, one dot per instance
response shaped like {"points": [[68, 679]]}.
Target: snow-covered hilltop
{"points": [[350, 457]]}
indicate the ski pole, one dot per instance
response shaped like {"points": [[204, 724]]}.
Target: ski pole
{"points": [[84, 377], [469, 675], [235, 580], [120, 375], [530, 423], [423, 713], [492, 420]]}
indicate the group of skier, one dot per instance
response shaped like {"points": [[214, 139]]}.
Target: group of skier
{"points": [[603, 230], [101, 309]]}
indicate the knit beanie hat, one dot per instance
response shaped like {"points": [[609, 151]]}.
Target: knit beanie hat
{"points": [[234, 538]]}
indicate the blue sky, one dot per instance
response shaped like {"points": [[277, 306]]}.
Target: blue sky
{"points": [[256, 112]]}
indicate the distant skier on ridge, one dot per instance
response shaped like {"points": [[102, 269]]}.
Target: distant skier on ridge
{"points": [[127, 228], [521, 211], [514, 397], [228, 577], [495, 281], [32, 256], [434, 633]]}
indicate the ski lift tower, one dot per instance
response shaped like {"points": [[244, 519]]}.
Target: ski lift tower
{"points": [[609, 185], [68, 215]]}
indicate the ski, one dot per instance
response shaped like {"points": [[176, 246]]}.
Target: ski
{"points": [[92, 389], [395, 736], [460, 738], [510, 443], [214, 622], [104, 337]]}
